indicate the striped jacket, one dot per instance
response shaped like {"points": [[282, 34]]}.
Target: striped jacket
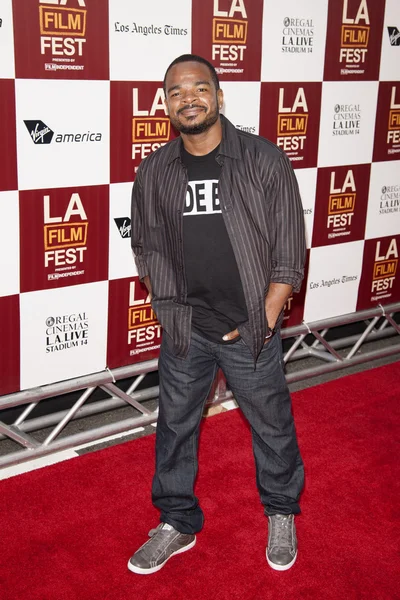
{"points": [[262, 211]]}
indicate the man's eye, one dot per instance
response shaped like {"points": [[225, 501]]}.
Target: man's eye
{"points": [[202, 89]]}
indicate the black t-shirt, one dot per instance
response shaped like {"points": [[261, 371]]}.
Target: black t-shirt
{"points": [[214, 288]]}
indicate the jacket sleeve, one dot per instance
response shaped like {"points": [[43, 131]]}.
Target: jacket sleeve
{"points": [[287, 226], [136, 226]]}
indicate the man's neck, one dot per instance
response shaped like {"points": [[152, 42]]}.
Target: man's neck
{"points": [[203, 143]]}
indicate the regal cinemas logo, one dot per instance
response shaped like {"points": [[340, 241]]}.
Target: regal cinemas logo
{"points": [[341, 204], [229, 36], [297, 35], [143, 328], [65, 238], [66, 331], [150, 128], [292, 123], [346, 119], [62, 32], [393, 134], [354, 37], [384, 269], [389, 201]]}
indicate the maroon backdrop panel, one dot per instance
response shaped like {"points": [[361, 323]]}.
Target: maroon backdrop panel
{"points": [[341, 204], [289, 117], [8, 144], [10, 344], [134, 333], [380, 278], [68, 41], [228, 34], [387, 128], [294, 307], [63, 236], [354, 39], [139, 125]]}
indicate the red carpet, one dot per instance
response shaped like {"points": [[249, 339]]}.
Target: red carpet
{"points": [[67, 531]]}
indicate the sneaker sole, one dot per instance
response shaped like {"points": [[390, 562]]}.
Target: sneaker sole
{"points": [[281, 567], [141, 571]]}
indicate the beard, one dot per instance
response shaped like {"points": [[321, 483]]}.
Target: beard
{"points": [[195, 129]]}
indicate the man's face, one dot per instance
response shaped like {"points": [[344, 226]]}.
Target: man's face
{"points": [[192, 101]]}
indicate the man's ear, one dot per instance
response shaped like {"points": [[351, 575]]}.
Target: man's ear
{"points": [[220, 98]]}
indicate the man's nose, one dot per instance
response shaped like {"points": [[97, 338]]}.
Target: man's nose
{"points": [[189, 96]]}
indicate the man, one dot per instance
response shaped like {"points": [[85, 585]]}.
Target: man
{"points": [[218, 238]]}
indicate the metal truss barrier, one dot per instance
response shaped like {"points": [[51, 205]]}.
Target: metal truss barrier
{"points": [[308, 340]]}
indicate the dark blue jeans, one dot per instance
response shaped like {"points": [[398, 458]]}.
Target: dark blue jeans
{"points": [[262, 395]]}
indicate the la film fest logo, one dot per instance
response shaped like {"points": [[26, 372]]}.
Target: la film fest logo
{"points": [[346, 119], [65, 239], [66, 331], [389, 201], [384, 270], [229, 37], [393, 133], [297, 35], [144, 331], [341, 205], [40, 133], [292, 124], [62, 33], [151, 128], [354, 38]]}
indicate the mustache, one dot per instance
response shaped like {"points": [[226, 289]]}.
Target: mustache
{"points": [[189, 107]]}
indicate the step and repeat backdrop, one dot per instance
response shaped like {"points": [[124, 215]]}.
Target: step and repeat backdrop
{"points": [[81, 104]]}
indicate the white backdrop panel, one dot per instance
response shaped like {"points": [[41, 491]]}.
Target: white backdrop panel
{"points": [[383, 216], [307, 180], [78, 114], [9, 243], [49, 355], [390, 57], [294, 40], [333, 280], [347, 126], [7, 67], [234, 93], [143, 42], [121, 262]]}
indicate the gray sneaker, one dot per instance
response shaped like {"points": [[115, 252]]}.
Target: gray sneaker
{"points": [[164, 542], [282, 542]]}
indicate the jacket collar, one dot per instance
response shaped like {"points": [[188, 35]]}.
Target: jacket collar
{"points": [[230, 143]]}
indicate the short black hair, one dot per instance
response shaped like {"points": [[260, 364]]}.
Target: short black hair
{"points": [[193, 58]]}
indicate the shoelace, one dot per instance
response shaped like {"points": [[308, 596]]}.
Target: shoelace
{"points": [[281, 534], [158, 543]]}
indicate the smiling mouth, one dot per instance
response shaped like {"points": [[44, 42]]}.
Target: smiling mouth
{"points": [[193, 111]]}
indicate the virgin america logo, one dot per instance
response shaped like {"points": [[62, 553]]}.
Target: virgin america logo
{"points": [[39, 132], [394, 36], [42, 134], [124, 226]]}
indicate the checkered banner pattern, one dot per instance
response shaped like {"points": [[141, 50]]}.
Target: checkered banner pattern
{"points": [[81, 104]]}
